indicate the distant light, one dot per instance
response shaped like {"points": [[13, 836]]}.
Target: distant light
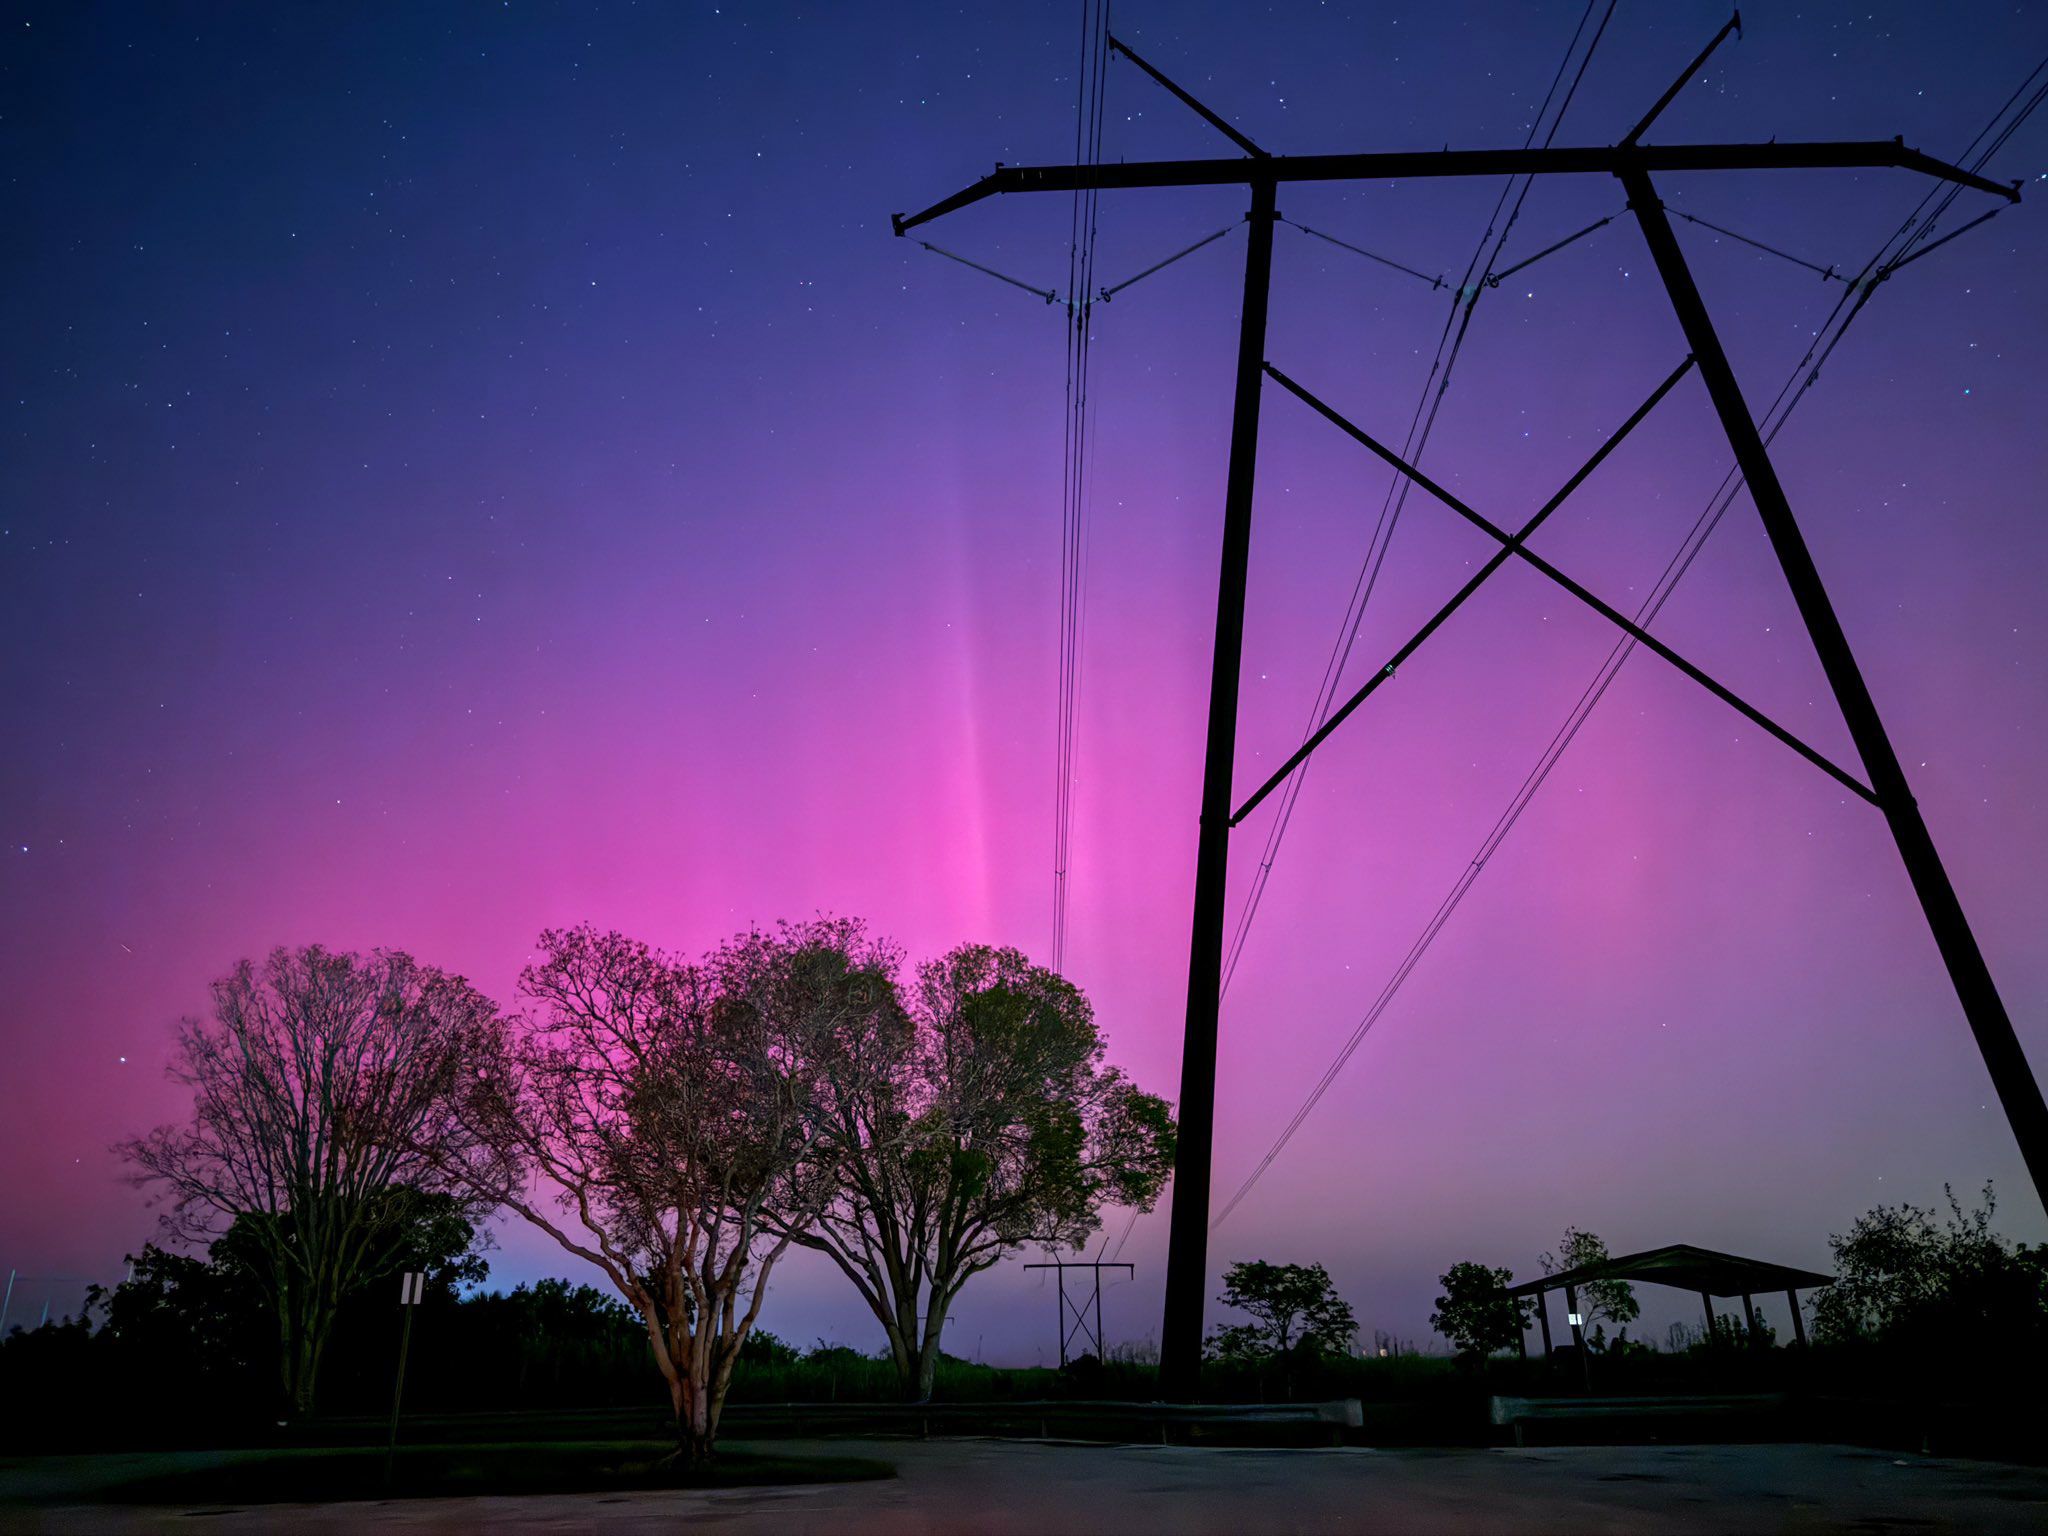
{"points": [[1383, 1354], [1574, 1319]]}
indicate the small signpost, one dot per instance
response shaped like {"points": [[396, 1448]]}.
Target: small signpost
{"points": [[412, 1287]]}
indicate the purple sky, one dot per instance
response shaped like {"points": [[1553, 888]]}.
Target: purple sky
{"points": [[467, 471]]}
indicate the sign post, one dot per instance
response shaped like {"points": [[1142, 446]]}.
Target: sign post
{"points": [[412, 1286]]}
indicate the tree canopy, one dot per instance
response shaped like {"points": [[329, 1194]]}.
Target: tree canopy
{"points": [[1476, 1313], [1295, 1309], [992, 1122], [1907, 1277], [663, 1120], [1612, 1301]]}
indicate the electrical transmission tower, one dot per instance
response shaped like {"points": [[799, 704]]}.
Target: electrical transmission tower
{"points": [[1080, 1318], [1634, 164]]}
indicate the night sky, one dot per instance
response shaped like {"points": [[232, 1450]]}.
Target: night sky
{"points": [[468, 469]]}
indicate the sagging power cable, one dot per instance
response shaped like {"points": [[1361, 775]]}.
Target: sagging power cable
{"points": [[1450, 343], [1091, 77]]}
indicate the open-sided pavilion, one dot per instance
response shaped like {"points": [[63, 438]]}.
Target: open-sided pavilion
{"points": [[1685, 1268]]}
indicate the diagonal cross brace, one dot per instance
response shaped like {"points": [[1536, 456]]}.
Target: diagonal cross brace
{"points": [[1078, 1328], [1636, 632], [1500, 558]]}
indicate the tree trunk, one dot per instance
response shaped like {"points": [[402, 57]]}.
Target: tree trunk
{"points": [[928, 1360], [906, 1372], [904, 1354], [302, 1382], [696, 1435], [927, 1372], [299, 1363]]}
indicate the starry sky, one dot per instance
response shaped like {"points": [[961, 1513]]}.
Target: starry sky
{"points": [[468, 469]]}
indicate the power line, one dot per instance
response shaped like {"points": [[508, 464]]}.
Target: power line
{"points": [[1463, 301], [1088, 119], [1457, 324]]}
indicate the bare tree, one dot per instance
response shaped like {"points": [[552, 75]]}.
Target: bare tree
{"points": [[998, 1124], [661, 1120], [321, 1090]]}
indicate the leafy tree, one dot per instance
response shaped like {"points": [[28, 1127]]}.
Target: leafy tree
{"points": [[990, 1122], [321, 1087], [550, 1344], [1611, 1300], [1295, 1309], [179, 1317], [663, 1121], [1907, 1279], [205, 1323], [1476, 1313]]}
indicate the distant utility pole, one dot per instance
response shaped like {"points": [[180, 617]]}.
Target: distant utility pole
{"points": [[412, 1287], [1633, 164], [1074, 1316]]}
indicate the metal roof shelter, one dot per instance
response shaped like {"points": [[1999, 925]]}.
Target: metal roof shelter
{"points": [[1686, 1268]]}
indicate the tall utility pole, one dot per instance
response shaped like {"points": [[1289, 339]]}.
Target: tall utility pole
{"points": [[1188, 1237], [1634, 163]]}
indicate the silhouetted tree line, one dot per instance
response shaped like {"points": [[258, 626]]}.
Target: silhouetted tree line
{"points": [[198, 1327], [677, 1124], [1922, 1306]]}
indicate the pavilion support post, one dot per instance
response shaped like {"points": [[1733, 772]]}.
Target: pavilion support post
{"points": [[1749, 1313], [1571, 1312], [1798, 1322], [1543, 1317], [1187, 1251], [2018, 1091], [1708, 1302]]}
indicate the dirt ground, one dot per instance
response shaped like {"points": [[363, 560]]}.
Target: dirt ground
{"points": [[1014, 1487]]}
